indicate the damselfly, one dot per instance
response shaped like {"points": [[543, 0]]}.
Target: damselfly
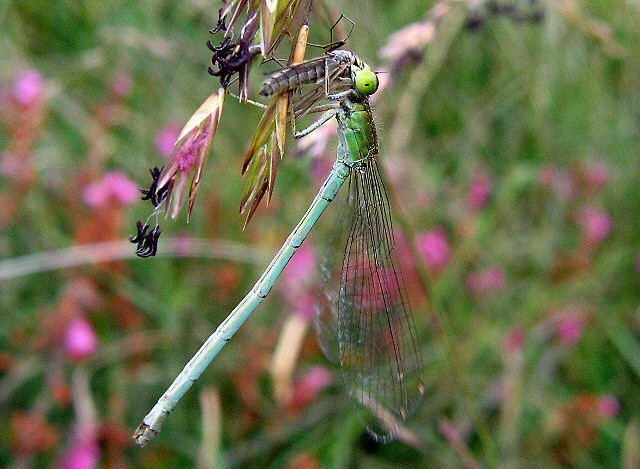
{"points": [[368, 325]]}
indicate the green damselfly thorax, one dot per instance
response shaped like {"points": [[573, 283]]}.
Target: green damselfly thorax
{"points": [[367, 325]]}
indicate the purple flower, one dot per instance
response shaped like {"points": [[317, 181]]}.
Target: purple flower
{"points": [[569, 328], [560, 182], [11, 165], [84, 453], [435, 249], [122, 84], [80, 340], [297, 277], [596, 224], [486, 281], [113, 186], [479, 190], [514, 340], [166, 139], [317, 378], [306, 307], [596, 176], [308, 388], [29, 87], [609, 406]]}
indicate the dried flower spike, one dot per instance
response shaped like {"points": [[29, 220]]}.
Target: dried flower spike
{"points": [[189, 156]]}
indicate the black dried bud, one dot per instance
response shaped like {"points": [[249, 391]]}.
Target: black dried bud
{"points": [[154, 194], [147, 241]]}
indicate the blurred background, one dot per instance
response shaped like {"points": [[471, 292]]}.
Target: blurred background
{"points": [[510, 136]]}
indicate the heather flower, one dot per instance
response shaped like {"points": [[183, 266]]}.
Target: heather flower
{"points": [[596, 224], [486, 281], [190, 155], [166, 139], [122, 85], [560, 182], [609, 406], [435, 249], [479, 190], [317, 378], [514, 340], [29, 87], [114, 186], [306, 307], [298, 273], [596, 176], [569, 328], [84, 453], [11, 165], [80, 340], [308, 388]]}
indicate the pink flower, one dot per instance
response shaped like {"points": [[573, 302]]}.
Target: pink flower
{"points": [[11, 165], [479, 190], [308, 388], [306, 307], [561, 183], [596, 176], [435, 249], [486, 281], [609, 406], [80, 340], [318, 378], [596, 224], [299, 271], [569, 328], [122, 84], [83, 454], [113, 186], [166, 139], [514, 341], [29, 87]]}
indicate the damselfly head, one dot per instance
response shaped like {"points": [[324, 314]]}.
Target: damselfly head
{"points": [[366, 81]]}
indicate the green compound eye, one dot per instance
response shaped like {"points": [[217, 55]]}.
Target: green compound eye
{"points": [[366, 82]]}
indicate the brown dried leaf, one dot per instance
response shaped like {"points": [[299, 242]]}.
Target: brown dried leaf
{"points": [[267, 21], [264, 130], [254, 178]]}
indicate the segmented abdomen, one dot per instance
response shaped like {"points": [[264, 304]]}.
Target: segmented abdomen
{"points": [[310, 71]]}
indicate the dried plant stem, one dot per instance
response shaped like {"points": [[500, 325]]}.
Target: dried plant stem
{"points": [[210, 454], [122, 249]]}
